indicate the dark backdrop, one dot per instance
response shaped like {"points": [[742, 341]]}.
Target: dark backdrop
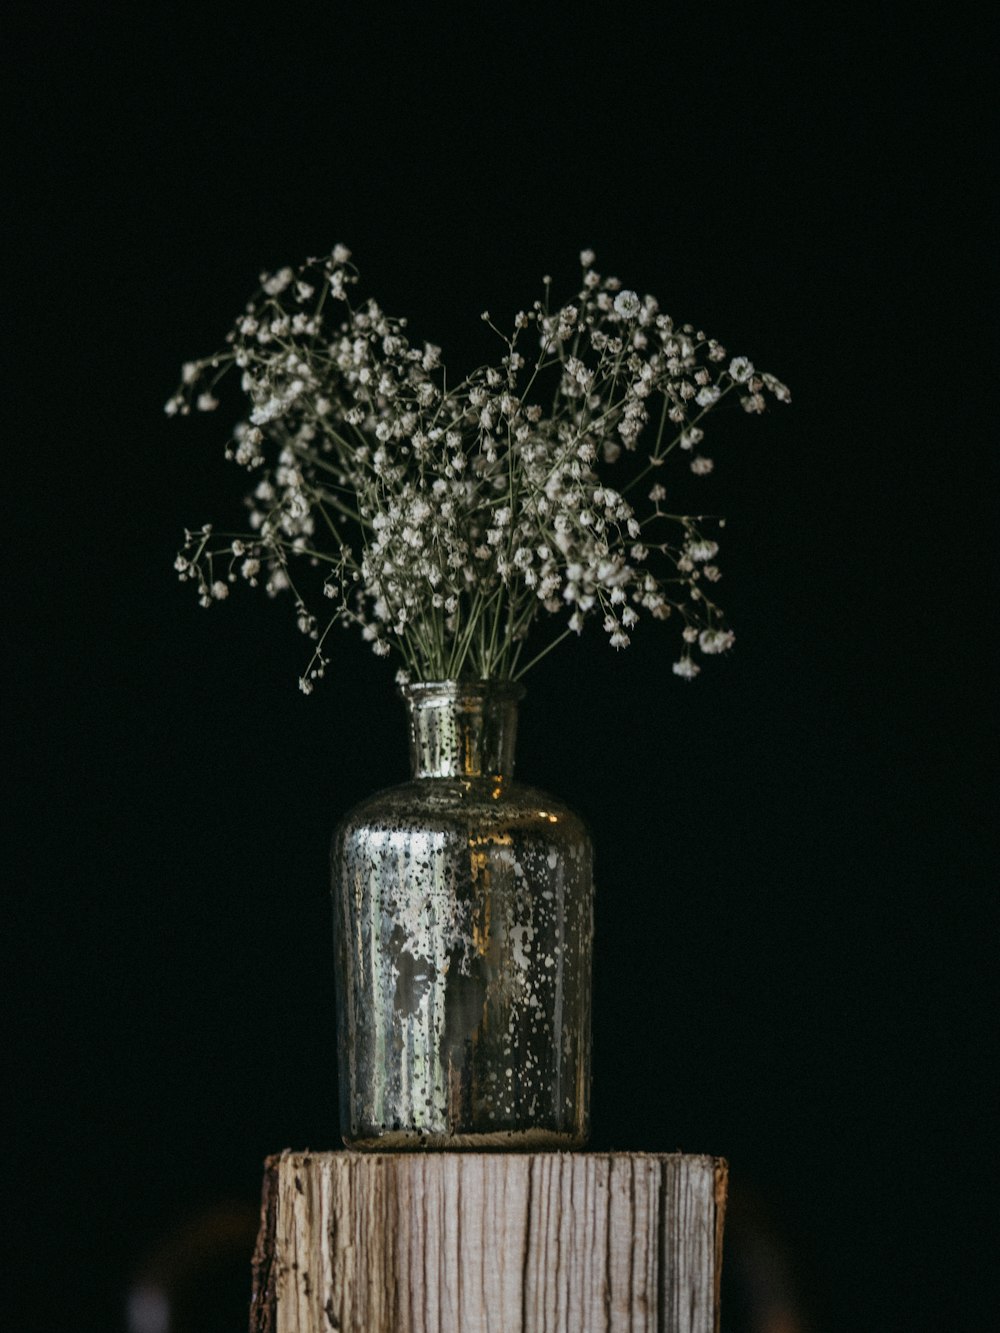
{"points": [[794, 909]]}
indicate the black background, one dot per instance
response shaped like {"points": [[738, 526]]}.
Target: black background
{"points": [[794, 910]]}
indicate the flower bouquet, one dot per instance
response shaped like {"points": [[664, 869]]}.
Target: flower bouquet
{"points": [[453, 522], [469, 527]]}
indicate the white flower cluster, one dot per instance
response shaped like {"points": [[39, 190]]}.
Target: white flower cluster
{"points": [[443, 520]]}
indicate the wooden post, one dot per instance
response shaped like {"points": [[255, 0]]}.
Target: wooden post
{"points": [[489, 1243]]}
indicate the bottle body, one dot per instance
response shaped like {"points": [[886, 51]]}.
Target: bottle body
{"points": [[463, 926]]}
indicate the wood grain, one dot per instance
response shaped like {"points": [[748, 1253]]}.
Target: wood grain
{"points": [[490, 1243]]}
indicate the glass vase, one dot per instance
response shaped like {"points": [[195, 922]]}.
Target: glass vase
{"points": [[463, 928]]}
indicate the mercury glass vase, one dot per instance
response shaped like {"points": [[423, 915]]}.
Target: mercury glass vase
{"points": [[463, 927]]}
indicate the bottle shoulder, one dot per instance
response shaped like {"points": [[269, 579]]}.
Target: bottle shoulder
{"points": [[476, 803]]}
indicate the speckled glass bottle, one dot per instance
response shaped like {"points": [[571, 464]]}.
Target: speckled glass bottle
{"points": [[463, 925]]}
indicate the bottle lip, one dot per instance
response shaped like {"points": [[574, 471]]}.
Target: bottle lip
{"points": [[452, 691]]}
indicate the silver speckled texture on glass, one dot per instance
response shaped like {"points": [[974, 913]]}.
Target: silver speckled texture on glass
{"points": [[463, 927]]}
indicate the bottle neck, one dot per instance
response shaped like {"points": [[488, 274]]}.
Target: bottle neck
{"points": [[462, 729]]}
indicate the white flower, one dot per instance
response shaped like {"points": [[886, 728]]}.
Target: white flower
{"points": [[627, 304], [702, 550], [701, 467], [220, 590], [740, 369], [776, 387], [206, 402], [260, 416], [341, 254], [685, 668], [715, 640], [277, 283], [587, 258], [710, 394]]}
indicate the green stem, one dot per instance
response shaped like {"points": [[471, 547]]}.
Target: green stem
{"points": [[544, 653]]}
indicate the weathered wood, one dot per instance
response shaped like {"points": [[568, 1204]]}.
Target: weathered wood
{"points": [[489, 1243]]}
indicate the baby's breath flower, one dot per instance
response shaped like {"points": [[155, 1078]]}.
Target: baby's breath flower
{"points": [[701, 550], [447, 519], [715, 640], [627, 304], [277, 283], [775, 387]]}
